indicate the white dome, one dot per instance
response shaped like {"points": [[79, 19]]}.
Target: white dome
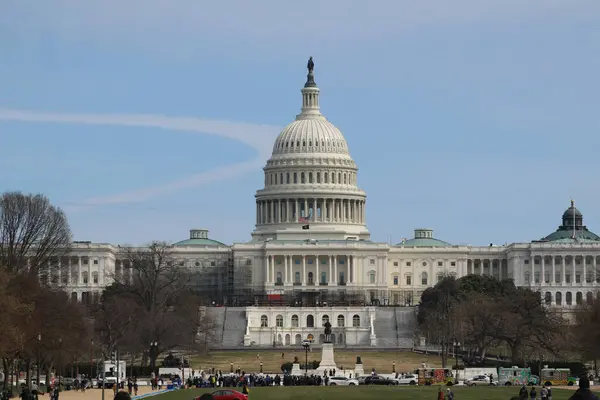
{"points": [[310, 136]]}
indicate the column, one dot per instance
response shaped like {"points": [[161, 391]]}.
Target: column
{"points": [[595, 271], [573, 268], [272, 207], [543, 277], [79, 268], [305, 208], [69, 275], [553, 279], [349, 258], [480, 269], [564, 270], [296, 211], [303, 270], [257, 213], [268, 269], [314, 216], [532, 270], [285, 270], [317, 278], [273, 277], [59, 272], [330, 280], [335, 273]]}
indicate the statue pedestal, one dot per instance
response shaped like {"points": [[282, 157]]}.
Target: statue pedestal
{"points": [[373, 339], [327, 360], [296, 370], [358, 370]]}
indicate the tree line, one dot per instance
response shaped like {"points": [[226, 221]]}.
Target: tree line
{"points": [[151, 311], [482, 313]]}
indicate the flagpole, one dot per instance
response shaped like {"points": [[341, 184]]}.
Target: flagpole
{"points": [[573, 205]]}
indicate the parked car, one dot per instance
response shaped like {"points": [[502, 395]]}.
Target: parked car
{"points": [[379, 380], [342, 381], [409, 379], [227, 395], [479, 380]]}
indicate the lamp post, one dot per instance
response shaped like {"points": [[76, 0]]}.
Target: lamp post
{"points": [[306, 346], [153, 350], [39, 342], [456, 347]]}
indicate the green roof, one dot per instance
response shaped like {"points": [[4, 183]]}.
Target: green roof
{"points": [[566, 236], [199, 242], [423, 242]]}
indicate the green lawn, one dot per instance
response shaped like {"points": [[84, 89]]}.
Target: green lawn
{"points": [[369, 392]]}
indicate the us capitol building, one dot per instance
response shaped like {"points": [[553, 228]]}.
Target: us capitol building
{"points": [[311, 260]]}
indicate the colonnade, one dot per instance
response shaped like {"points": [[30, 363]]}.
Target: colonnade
{"points": [[563, 269], [338, 210], [76, 271], [322, 270]]}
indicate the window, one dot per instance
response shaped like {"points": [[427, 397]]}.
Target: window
{"points": [[297, 277], [579, 298], [440, 277], [212, 263], [569, 298], [84, 277], [424, 278], [310, 321], [527, 276], [264, 321], [557, 277], [95, 262], [279, 279], [95, 277], [279, 321], [84, 261], [323, 277], [395, 280], [440, 263], [395, 263], [324, 320], [294, 321], [248, 262], [356, 321], [577, 278], [567, 278], [341, 321], [537, 277], [408, 280], [310, 278], [295, 177], [372, 261], [408, 263], [453, 263], [558, 298], [526, 261], [548, 298], [301, 177], [371, 277], [310, 177], [424, 264]]}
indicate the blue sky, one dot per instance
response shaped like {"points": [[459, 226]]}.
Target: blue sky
{"points": [[146, 118]]}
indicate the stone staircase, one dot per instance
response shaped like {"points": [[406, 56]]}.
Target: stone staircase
{"points": [[385, 328], [406, 325], [234, 327]]}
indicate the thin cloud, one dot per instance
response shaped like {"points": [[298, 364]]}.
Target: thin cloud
{"points": [[259, 137]]}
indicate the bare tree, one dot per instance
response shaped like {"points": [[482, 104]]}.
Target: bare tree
{"points": [[586, 330], [32, 232], [166, 313]]}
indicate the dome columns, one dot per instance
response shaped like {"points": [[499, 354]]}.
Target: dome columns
{"points": [[305, 210]]}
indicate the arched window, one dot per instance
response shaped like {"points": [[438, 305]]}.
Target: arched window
{"points": [[344, 179], [579, 298], [310, 278], [295, 177], [298, 339], [264, 321], [558, 298], [279, 278], [281, 178], [341, 322], [318, 177], [325, 177], [339, 177], [287, 179], [302, 177], [279, 321], [297, 277], [333, 177], [310, 321], [356, 321], [424, 278], [324, 320], [371, 277], [294, 321], [569, 298], [310, 177], [548, 298]]}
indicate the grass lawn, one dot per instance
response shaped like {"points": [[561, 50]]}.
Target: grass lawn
{"points": [[406, 361], [368, 392]]}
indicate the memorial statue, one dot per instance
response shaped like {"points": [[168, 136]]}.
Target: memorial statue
{"points": [[296, 360], [327, 326], [358, 360], [310, 65]]}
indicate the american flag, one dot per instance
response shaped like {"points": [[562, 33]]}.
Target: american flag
{"points": [[303, 220]]}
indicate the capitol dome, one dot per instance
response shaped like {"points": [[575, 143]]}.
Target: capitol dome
{"points": [[310, 186], [314, 135]]}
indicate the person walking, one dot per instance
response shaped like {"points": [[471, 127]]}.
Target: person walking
{"points": [[584, 392], [450, 395]]}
